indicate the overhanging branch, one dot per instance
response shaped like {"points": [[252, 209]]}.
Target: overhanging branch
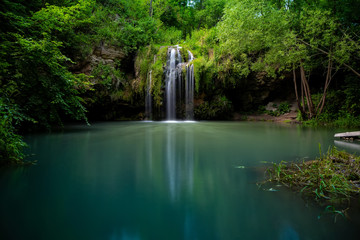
{"points": [[327, 53]]}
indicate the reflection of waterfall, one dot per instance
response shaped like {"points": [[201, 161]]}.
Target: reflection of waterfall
{"points": [[124, 235], [148, 100], [170, 86], [171, 161], [179, 160], [149, 148], [189, 158]]}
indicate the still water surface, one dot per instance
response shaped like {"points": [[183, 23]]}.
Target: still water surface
{"points": [[157, 180]]}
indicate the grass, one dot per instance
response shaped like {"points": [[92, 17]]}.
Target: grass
{"points": [[333, 177]]}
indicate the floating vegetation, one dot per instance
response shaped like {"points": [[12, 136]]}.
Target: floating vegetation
{"points": [[333, 177], [241, 167], [271, 190]]}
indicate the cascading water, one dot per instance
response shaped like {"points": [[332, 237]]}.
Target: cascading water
{"points": [[148, 99], [178, 54], [179, 89], [179, 82], [191, 56], [189, 88], [171, 87], [189, 92]]}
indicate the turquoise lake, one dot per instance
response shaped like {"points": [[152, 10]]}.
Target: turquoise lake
{"points": [[166, 180]]}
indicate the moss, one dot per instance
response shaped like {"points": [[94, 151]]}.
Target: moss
{"points": [[205, 74], [184, 54], [162, 54], [157, 82], [199, 69]]}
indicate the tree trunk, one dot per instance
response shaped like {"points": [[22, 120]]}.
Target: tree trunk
{"points": [[307, 92], [296, 92], [327, 83], [151, 9], [302, 96]]}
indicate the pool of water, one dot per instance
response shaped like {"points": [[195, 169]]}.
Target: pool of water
{"points": [[165, 180]]}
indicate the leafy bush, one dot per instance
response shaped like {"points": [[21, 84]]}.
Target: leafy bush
{"points": [[218, 108], [284, 108], [346, 119], [110, 76], [11, 144], [352, 95], [169, 36]]}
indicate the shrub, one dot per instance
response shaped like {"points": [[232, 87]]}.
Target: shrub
{"points": [[11, 144], [218, 108]]}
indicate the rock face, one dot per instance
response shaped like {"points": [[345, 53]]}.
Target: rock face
{"points": [[260, 89], [113, 74], [104, 54]]}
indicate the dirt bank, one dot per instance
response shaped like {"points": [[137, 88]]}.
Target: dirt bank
{"points": [[285, 118]]}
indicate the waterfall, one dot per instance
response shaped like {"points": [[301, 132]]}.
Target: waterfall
{"points": [[178, 54], [170, 87], [189, 92], [179, 82], [191, 56], [148, 99], [179, 89]]}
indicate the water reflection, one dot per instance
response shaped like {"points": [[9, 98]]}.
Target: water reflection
{"points": [[288, 233], [189, 159], [179, 159], [171, 161], [163, 181], [348, 146], [149, 149], [124, 235]]}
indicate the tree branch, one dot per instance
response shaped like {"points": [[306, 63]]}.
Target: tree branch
{"points": [[327, 53]]}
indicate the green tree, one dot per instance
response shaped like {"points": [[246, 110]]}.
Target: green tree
{"points": [[258, 36], [35, 83]]}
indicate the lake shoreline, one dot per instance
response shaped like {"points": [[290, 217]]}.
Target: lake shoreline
{"points": [[290, 118]]}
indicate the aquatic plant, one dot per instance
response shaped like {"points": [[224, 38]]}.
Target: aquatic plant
{"points": [[333, 177]]}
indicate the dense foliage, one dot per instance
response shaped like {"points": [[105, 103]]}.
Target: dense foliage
{"points": [[244, 50]]}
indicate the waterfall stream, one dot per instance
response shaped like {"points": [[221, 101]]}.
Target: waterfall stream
{"points": [[179, 89], [171, 87], [148, 99], [189, 93], [191, 56]]}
